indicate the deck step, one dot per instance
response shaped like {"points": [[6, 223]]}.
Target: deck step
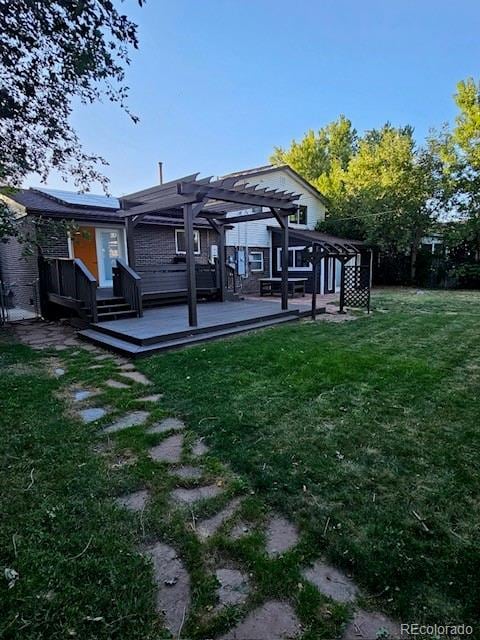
{"points": [[135, 350], [116, 315], [106, 302], [186, 333]]}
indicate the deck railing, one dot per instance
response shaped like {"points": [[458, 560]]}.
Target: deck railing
{"points": [[69, 279], [127, 284]]}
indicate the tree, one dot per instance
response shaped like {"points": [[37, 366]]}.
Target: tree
{"points": [[50, 53], [459, 153]]}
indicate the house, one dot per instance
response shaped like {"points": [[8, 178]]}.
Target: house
{"points": [[254, 247], [169, 237]]}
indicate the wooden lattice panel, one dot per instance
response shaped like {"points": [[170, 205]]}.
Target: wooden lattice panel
{"points": [[357, 286]]}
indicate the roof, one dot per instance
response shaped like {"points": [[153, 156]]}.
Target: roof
{"points": [[335, 244], [43, 202], [270, 168]]}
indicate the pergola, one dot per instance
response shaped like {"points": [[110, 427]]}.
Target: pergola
{"points": [[190, 198]]}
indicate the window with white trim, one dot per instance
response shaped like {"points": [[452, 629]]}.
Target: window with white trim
{"points": [[180, 241], [296, 259], [256, 260], [300, 215]]}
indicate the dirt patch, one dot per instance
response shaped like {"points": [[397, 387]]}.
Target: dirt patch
{"points": [[134, 501], [274, 620], [239, 530]]}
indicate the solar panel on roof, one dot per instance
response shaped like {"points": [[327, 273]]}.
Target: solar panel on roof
{"points": [[82, 199]]}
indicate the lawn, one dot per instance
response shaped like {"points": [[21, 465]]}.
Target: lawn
{"points": [[366, 434]]}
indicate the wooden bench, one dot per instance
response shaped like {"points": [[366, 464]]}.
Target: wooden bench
{"points": [[270, 286], [167, 284]]}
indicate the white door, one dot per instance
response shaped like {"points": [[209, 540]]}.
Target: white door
{"points": [[110, 246]]}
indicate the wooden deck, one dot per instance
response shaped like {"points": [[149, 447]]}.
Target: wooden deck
{"points": [[167, 327]]}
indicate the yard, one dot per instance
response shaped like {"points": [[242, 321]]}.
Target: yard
{"points": [[364, 434]]}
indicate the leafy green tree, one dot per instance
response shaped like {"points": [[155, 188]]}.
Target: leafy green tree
{"points": [[51, 53]]}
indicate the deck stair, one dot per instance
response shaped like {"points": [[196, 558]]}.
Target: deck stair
{"points": [[134, 346], [115, 308]]}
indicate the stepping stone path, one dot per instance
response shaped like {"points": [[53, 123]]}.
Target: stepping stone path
{"points": [[153, 398], [206, 528], [199, 449], [114, 384], [133, 419], [134, 501], [170, 450], [190, 496], [367, 624], [239, 530], [173, 583], [82, 394], [281, 535], [92, 414], [274, 620], [135, 376], [169, 424], [187, 473], [331, 582], [234, 587]]}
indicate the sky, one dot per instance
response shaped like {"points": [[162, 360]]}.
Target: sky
{"points": [[217, 84]]}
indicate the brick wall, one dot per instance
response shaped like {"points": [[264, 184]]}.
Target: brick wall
{"points": [[251, 284], [156, 245]]}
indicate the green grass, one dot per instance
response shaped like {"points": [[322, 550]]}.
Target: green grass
{"points": [[361, 424], [348, 429]]}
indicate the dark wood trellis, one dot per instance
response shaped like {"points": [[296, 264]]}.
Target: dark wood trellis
{"points": [[355, 289]]}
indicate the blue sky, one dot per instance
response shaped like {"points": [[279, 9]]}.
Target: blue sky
{"points": [[218, 83]]}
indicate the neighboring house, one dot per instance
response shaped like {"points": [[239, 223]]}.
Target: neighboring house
{"points": [[252, 248]]}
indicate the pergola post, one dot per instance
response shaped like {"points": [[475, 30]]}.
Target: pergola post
{"points": [[222, 271], [190, 259], [284, 224]]}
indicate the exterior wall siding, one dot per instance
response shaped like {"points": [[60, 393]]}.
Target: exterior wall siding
{"points": [[20, 272]]}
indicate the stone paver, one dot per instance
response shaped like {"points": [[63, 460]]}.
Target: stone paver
{"points": [[199, 449], [58, 372], [368, 625], [233, 588], [115, 384], [128, 366], [169, 424], [274, 620], [134, 501], [92, 414], [281, 535], [102, 356], [170, 450], [239, 530], [190, 496], [187, 472], [206, 528], [135, 376], [173, 584], [82, 394], [331, 582], [133, 419], [155, 397]]}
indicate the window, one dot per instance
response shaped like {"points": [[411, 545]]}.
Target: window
{"points": [[300, 215], [180, 241], [296, 259], [256, 260]]}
